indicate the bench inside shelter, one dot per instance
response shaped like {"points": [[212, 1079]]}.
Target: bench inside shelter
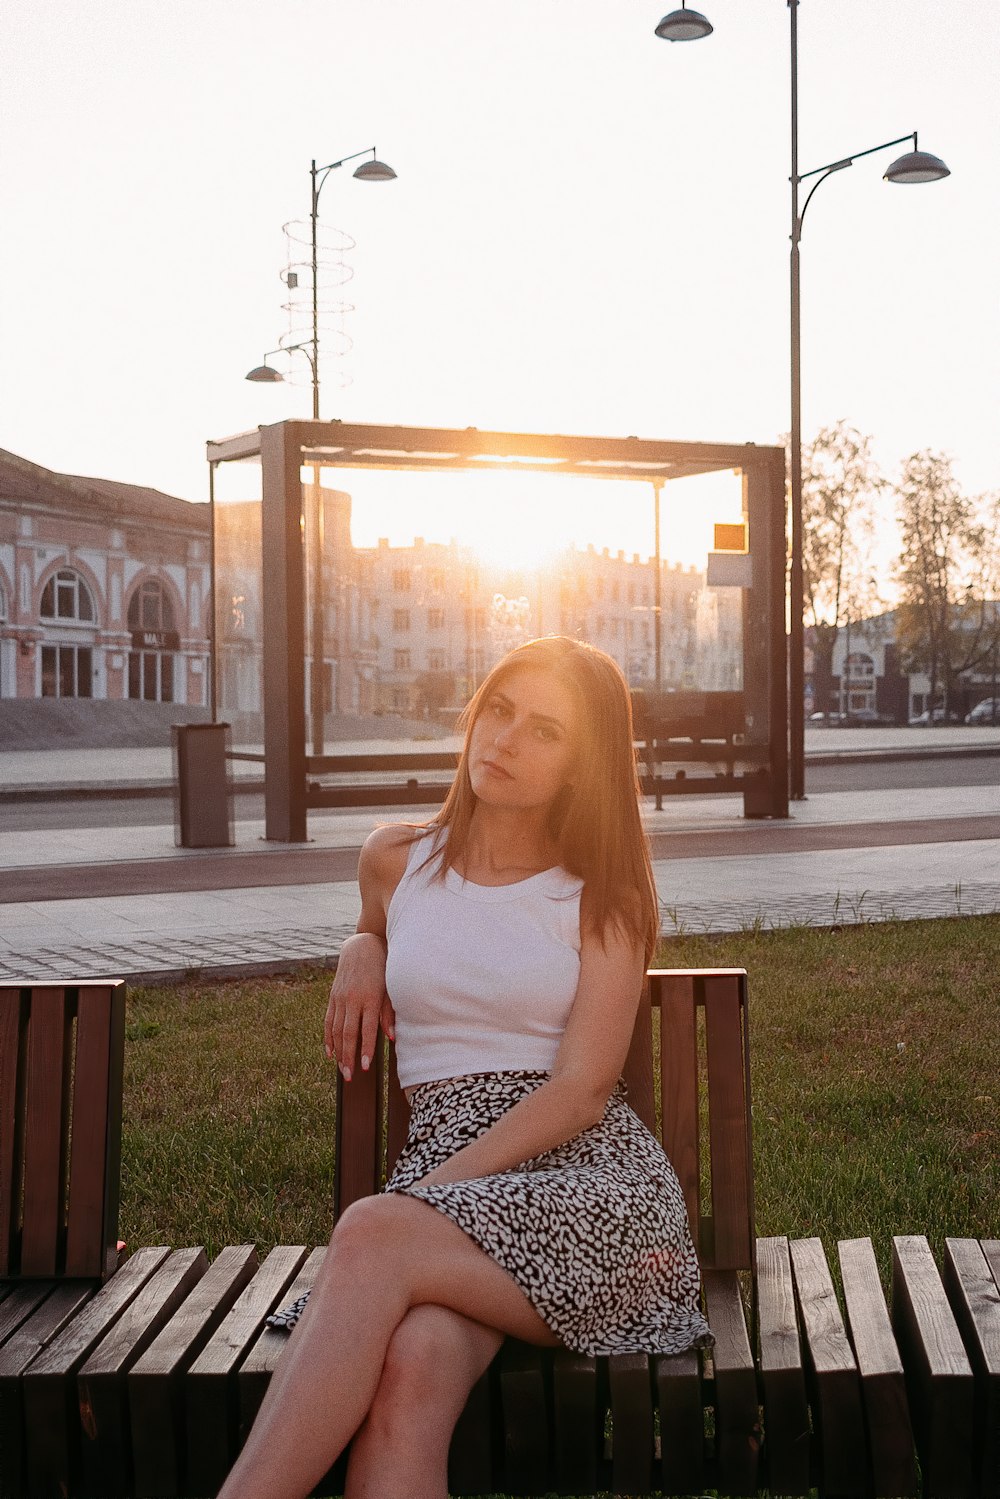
{"points": [[144, 1379]]}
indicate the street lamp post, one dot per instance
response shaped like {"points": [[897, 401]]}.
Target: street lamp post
{"points": [[370, 170], [914, 166]]}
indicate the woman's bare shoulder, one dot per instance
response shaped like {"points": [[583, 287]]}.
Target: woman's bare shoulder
{"points": [[386, 850]]}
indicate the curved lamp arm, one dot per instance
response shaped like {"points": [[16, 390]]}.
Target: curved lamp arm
{"points": [[838, 166]]}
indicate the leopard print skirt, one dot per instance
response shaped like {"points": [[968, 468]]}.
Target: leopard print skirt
{"points": [[595, 1231]]}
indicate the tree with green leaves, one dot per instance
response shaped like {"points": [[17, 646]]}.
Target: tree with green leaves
{"points": [[948, 574], [840, 489]]}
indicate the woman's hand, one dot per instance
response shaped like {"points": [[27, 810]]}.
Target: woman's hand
{"points": [[358, 1003]]}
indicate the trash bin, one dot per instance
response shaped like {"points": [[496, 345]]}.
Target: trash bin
{"points": [[203, 800]]}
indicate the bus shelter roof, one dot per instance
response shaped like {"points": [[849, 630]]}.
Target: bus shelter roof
{"points": [[337, 444]]}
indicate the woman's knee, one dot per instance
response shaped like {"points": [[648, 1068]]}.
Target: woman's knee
{"points": [[366, 1226]]}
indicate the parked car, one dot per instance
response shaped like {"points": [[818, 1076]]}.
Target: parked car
{"points": [[988, 711], [866, 718], [936, 715], [860, 718]]}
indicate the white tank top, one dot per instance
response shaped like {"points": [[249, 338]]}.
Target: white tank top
{"points": [[482, 977]]}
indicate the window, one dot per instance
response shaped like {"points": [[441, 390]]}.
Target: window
{"points": [[437, 580], [860, 667], [155, 639], [435, 619], [401, 580], [66, 596], [67, 671], [615, 589], [150, 607], [401, 620], [401, 660], [435, 661], [151, 676]]}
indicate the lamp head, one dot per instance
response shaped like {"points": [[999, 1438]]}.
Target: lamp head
{"points": [[684, 25], [374, 171], [264, 375], [917, 166]]}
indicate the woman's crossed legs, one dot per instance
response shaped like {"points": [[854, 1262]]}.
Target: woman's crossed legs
{"points": [[358, 1358]]}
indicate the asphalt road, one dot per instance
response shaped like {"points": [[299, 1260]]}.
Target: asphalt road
{"points": [[936, 770]]}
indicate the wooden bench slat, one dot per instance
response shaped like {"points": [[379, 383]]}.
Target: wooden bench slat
{"points": [[938, 1373], [471, 1456], [728, 1125], [638, 1069], [95, 1163], [210, 1394], [61, 1302], [682, 1422], [399, 1112], [525, 1420], [843, 1447], [101, 1383], [44, 1140], [18, 1303], [783, 1383], [883, 1383], [991, 1249], [737, 1422], [576, 1444], [358, 1135], [261, 1360], [679, 1087], [975, 1300], [11, 1138], [681, 1397], [632, 1437], [51, 1408], [155, 1396]]}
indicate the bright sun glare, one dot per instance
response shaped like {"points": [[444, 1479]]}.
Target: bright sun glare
{"points": [[524, 521]]}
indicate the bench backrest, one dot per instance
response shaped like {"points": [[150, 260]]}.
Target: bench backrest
{"points": [[688, 1079], [61, 1050]]}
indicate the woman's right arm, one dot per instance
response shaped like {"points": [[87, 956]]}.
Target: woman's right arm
{"points": [[358, 999]]}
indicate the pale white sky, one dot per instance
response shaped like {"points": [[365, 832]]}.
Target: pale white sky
{"points": [[589, 231]]}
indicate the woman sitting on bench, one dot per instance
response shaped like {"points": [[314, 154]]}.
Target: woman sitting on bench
{"points": [[505, 942]]}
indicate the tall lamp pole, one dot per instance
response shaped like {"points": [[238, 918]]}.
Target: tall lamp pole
{"points": [[371, 170], [914, 166]]}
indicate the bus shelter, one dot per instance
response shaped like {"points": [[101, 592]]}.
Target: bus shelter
{"points": [[284, 554]]}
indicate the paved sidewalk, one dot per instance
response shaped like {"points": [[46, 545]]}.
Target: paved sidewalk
{"points": [[844, 857]]}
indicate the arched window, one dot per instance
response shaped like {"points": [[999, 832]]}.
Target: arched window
{"points": [[150, 607], [66, 596], [154, 641]]}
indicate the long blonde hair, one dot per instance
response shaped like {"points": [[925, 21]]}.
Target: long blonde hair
{"points": [[593, 822]]}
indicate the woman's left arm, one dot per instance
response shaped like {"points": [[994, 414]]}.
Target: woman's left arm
{"points": [[588, 1064]]}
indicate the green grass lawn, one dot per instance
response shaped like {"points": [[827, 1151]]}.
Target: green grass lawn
{"points": [[875, 1056]]}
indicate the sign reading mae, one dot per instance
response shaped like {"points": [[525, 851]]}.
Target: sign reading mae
{"points": [[156, 640]]}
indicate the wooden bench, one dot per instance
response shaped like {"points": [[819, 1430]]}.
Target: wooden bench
{"points": [[145, 1381]]}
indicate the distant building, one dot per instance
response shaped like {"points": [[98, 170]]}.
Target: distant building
{"points": [[867, 673], [104, 593], [103, 589]]}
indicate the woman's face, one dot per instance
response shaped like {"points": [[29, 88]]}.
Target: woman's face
{"points": [[524, 744]]}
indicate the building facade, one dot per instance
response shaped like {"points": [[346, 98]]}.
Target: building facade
{"points": [[105, 594], [103, 589]]}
